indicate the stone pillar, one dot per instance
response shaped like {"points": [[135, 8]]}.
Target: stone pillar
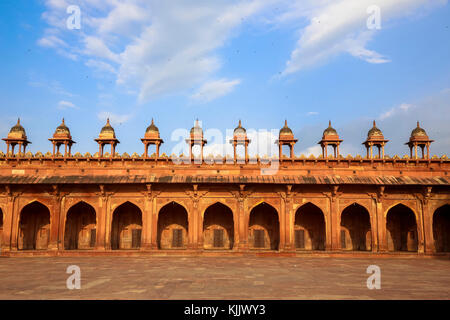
{"points": [[334, 223], [282, 223], [147, 220], [382, 232], [427, 215], [191, 228], [419, 222], [154, 233], [236, 223], [328, 229], [101, 223], [289, 223], [61, 222], [14, 204], [54, 223], [374, 225], [8, 218], [243, 225], [108, 223], [199, 225]]}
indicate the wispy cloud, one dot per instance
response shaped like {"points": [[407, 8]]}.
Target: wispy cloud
{"points": [[114, 118], [52, 86], [404, 107], [165, 47], [66, 105], [340, 26], [160, 47], [215, 89]]}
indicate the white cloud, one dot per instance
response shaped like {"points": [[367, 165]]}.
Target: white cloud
{"points": [[312, 113], [160, 47], [114, 118], [214, 89], [338, 26], [66, 105], [313, 150], [51, 41], [165, 47], [403, 108], [52, 86], [100, 66]]}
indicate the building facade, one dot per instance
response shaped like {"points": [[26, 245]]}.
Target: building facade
{"points": [[63, 204]]}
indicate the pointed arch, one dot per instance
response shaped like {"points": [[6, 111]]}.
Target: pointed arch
{"points": [[264, 227], [309, 227], [34, 227], [441, 228], [80, 231], [126, 226], [172, 226], [401, 228], [355, 228], [218, 227]]}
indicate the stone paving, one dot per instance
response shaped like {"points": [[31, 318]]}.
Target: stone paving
{"points": [[222, 278]]}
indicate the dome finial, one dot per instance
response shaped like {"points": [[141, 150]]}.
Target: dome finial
{"points": [[152, 122], [18, 120], [240, 124], [285, 122], [107, 121], [418, 126], [63, 121], [329, 123], [374, 124]]}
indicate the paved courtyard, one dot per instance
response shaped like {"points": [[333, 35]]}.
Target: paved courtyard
{"points": [[223, 278]]}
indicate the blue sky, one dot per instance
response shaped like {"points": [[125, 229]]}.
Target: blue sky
{"points": [[261, 61]]}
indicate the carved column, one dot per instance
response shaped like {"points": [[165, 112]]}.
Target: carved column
{"points": [[54, 219], [61, 222], [334, 219], [14, 214], [289, 221], [102, 220], [374, 223], [149, 232], [427, 215], [381, 221], [420, 225], [282, 222], [147, 224], [154, 233], [243, 224], [195, 215], [8, 219]]}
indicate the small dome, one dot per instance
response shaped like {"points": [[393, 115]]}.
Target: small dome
{"points": [[285, 130], [418, 132], [62, 129], [196, 129], [239, 130], [330, 131], [107, 131], [152, 128], [17, 132], [374, 132]]}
